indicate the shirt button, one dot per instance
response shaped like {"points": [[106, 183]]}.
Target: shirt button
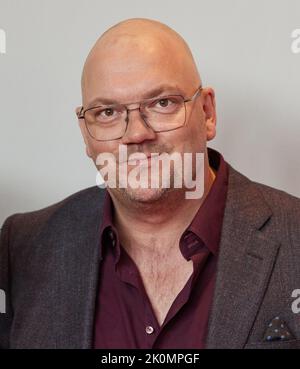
{"points": [[188, 235], [149, 329], [193, 243], [111, 234]]}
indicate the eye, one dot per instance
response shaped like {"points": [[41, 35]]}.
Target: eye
{"points": [[164, 102], [165, 105], [108, 112]]}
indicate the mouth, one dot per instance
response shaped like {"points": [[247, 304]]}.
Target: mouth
{"points": [[147, 159]]}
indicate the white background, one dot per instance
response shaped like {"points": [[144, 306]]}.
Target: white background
{"points": [[242, 48]]}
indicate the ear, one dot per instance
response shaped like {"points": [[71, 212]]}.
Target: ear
{"points": [[209, 109], [84, 132]]}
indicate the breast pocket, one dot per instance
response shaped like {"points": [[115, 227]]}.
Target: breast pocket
{"points": [[291, 344]]}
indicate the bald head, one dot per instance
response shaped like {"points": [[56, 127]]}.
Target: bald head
{"points": [[136, 52]]}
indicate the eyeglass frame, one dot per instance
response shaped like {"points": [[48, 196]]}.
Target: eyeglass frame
{"points": [[80, 114]]}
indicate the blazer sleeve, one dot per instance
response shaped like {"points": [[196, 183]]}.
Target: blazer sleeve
{"points": [[6, 313]]}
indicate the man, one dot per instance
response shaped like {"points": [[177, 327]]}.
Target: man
{"points": [[145, 267]]}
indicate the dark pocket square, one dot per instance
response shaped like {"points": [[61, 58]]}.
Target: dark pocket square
{"points": [[277, 331]]}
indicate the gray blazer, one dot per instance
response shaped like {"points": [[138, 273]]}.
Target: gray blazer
{"points": [[50, 260]]}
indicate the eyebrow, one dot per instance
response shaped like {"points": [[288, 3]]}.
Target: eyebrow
{"points": [[164, 88]]}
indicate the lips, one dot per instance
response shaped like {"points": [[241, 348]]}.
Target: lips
{"points": [[148, 158]]}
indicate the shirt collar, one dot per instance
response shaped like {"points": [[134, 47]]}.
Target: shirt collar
{"points": [[207, 223]]}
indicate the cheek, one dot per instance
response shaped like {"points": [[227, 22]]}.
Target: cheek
{"points": [[94, 147], [193, 138], [97, 147], [198, 131]]}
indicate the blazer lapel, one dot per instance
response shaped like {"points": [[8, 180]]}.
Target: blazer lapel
{"points": [[77, 260], [247, 254]]}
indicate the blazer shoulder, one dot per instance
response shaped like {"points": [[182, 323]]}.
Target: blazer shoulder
{"points": [[278, 199], [284, 206], [286, 209], [273, 196], [27, 223]]}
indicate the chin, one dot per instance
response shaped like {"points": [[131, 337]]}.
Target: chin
{"points": [[145, 195]]}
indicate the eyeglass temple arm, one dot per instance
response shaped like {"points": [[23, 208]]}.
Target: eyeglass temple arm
{"points": [[79, 113], [199, 89]]}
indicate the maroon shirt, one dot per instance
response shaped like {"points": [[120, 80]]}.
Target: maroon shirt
{"points": [[124, 316]]}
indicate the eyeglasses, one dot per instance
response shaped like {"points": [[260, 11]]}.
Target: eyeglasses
{"points": [[161, 114]]}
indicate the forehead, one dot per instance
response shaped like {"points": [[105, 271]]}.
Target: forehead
{"points": [[158, 91], [126, 68]]}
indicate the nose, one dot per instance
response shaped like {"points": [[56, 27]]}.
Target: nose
{"points": [[137, 130]]}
